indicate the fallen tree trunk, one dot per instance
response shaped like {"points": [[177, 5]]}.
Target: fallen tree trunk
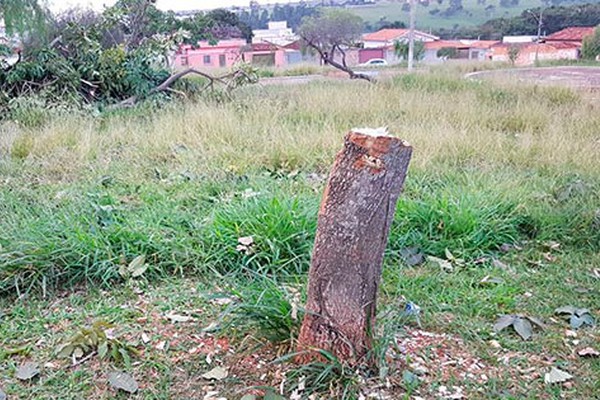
{"points": [[228, 81], [354, 219]]}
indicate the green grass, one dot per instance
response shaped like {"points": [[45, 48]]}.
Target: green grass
{"points": [[494, 163], [473, 14]]}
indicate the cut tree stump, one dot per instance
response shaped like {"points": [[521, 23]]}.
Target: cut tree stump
{"points": [[353, 226]]}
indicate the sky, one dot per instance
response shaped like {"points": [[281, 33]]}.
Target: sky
{"points": [[176, 5]]}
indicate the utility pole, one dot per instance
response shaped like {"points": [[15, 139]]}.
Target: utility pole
{"points": [[411, 34], [539, 32]]}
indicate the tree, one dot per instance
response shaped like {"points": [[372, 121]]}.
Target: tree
{"points": [[513, 54], [447, 52], [331, 32], [353, 225], [401, 49], [591, 45], [22, 15]]}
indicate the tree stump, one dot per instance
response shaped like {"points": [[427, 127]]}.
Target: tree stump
{"points": [[353, 226]]}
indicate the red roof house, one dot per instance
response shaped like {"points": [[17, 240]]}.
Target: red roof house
{"points": [[387, 37], [572, 34]]}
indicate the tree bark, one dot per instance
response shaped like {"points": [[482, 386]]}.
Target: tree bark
{"points": [[353, 225]]}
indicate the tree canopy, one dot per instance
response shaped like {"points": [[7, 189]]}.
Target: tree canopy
{"points": [[331, 29], [330, 33], [21, 15], [591, 45]]}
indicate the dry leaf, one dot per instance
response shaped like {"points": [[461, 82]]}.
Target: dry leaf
{"points": [[122, 381], [557, 376], [444, 265], [246, 241], [221, 301], [145, 338], [27, 371], [178, 318], [588, 352], [217, 373]]}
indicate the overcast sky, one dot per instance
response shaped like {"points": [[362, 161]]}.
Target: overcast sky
{"points": [[57, 5]]}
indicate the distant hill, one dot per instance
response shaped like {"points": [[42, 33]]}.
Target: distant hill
{"points": [[449, 14]]}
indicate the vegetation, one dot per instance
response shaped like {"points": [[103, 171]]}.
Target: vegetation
{"points": [[21, 15], [457, 16], [591, 45], [330, 34], [221, 200], [90, 61], [554, 18], [401, 50]]}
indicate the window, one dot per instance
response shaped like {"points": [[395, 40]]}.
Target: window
{"points": [[206, 59]]}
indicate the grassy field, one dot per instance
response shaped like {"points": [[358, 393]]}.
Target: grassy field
{"points": [[504, 184], [473, 13]]}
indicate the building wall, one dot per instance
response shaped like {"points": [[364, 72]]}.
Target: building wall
{"points": [[527, 55], [224, 54]]}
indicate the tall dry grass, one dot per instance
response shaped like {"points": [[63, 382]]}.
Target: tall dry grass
{"points": [[447, 119]]}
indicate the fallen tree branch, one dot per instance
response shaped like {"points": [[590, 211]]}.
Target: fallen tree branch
{"points": [[229, 82]]}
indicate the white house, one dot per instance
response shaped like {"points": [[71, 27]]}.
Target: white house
{"points": [[277, 33]]}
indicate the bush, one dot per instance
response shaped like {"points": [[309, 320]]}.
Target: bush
{"points": [[590, 49]]}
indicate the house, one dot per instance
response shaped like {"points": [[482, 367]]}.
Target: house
{"points": [[380, 44], [528, 53], [387, 37], [464, 50], [277, 33], [223, 54], [570, 35], [268, 55]]}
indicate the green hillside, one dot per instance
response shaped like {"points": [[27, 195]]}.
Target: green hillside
{"points": [[473, 14]]}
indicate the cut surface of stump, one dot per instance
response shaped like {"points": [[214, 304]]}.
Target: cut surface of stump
{"points": [[353, 225]]}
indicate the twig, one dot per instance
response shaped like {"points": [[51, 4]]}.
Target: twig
{"points": [[84, 359]]}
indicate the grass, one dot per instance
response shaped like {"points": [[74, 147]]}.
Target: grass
{"points": [[473, 14], [495, 163]]}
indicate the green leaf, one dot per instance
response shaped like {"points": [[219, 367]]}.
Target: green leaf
{"points": [[122, 381], [123, 271], [103, 349], [449, 255], [65, 350], [125, 355], [273, 396], [27, 371], [523, 328], [409, 378], [504, 322]]}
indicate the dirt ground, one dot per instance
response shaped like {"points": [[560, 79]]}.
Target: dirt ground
{"points": [[577, 77]]}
